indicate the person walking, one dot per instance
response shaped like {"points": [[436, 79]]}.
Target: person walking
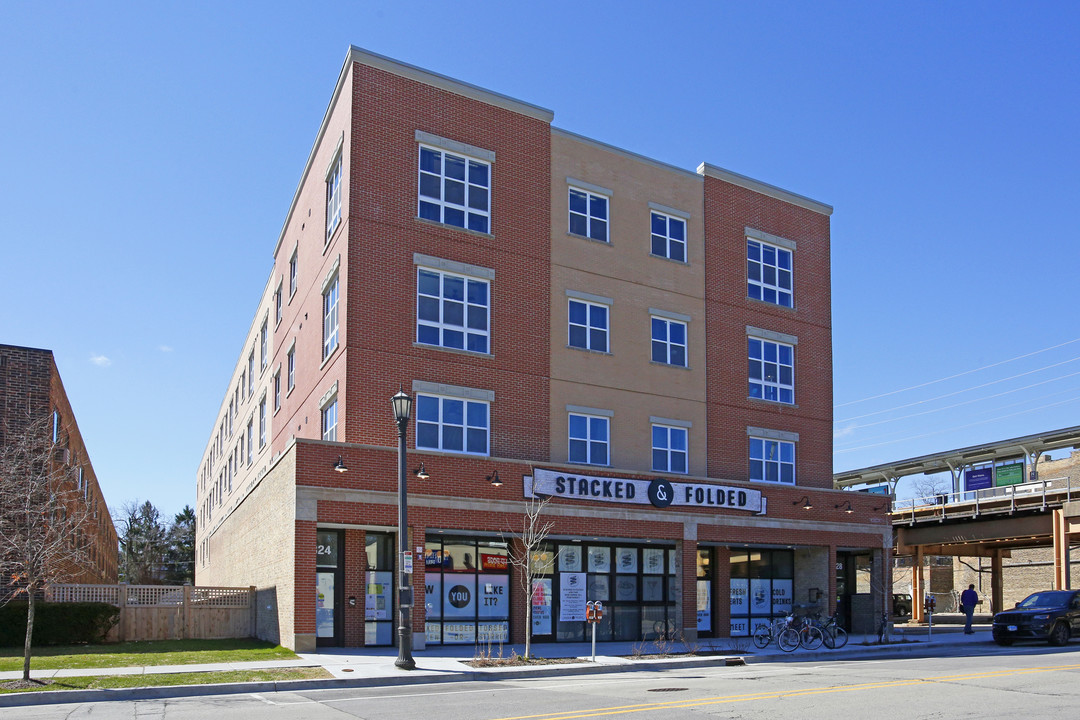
{"points": [[968, 599]]}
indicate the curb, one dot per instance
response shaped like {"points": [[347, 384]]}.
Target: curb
{"points": [[51, 697]]}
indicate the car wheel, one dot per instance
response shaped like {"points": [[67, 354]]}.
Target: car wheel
{"points": [[1060, 634]]}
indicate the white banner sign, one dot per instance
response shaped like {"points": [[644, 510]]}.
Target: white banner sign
{"points": [[571, 597], [658, 492]]}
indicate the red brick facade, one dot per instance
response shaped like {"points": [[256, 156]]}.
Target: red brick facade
{"points": [[381, 112], [31, 389]]}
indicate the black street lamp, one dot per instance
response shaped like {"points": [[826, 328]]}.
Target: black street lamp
{"points": [[402, 409]]}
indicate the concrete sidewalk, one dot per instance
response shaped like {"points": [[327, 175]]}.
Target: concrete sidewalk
{"points": [[374, 667]]}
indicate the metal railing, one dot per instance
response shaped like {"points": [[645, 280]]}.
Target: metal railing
{"points": [[1038, 495]]}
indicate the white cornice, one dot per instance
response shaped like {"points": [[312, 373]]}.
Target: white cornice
{"points": [[764, 188]]}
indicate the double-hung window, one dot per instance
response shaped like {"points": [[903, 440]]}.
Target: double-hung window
{"points": [[772, 370], [263, 347], [277, 305], [333, 198], [668, 237], [452, 311], [293, 262], [668, 341], [772, 460], [588, 214], [291, 368], [329, 421], [330, 318], [587, 325], [251, 372], [588, 439], [669, 448], [455, 189], [452, 424], [768, 273], [277, 389], [262, 423], [250, 440]]}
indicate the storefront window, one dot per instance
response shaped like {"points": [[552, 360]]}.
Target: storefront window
{"points": [[761, 588], [379, 590], [704, 591], [467, 591]]}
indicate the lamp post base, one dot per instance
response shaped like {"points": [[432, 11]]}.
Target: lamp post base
{"points": [[405, 663]]}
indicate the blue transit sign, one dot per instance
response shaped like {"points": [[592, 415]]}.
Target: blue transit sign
{"points": [[979, 479]]}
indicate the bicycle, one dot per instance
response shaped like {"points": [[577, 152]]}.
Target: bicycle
{"points": [[836, 637], [800, 632], [766, 634]]}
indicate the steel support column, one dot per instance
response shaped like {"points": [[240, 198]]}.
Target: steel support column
{"points": [[917, 588]]}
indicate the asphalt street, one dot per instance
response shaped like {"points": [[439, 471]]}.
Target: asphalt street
{"points": [[971, 682]]}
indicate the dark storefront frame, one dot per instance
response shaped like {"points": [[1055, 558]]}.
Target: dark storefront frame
{"points": [[467, 592]]}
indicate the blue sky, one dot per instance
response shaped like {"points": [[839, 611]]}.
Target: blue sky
{"points": [[149, 152]]}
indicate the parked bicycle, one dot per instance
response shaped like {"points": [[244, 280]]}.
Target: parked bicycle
{"points": [[764, 635], [835, 637], [800, 632]]}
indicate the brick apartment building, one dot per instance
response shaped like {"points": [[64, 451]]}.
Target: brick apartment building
{"points": [[31, 390], [584, 322]]}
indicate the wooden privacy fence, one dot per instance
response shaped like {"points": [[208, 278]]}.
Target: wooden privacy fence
{"points": [[169, 612]]}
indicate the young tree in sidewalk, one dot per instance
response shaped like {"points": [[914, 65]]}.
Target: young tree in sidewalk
{"points": [[528, 556], [45, 523]]}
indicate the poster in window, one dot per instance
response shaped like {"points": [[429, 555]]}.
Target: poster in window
{"points": [[541, 607], [324, 605], [459, 596], [653, 560], [570, 558], [760, 596], [704, 606], [379, 600], [652, 588], [571, 597], [493, 632], [782, 596], [626, 560], [740, 627], [433, 595], [739, 597], [599, 559], [459, 632], [599, 587], [494, 591], [626, 588], [757, 622]]}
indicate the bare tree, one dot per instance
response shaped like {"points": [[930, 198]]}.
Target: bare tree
{"points": [[526, 555], [44, 523], [930, 486]]}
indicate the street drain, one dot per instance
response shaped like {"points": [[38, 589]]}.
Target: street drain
{"points": [[667, 689]]}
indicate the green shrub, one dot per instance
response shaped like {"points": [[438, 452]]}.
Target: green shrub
{"points": [[57, 623]]}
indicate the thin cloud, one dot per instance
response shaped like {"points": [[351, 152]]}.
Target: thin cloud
{"points": [[100, 360], [165, 348]]}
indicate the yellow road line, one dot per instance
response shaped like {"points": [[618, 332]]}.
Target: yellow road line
{"points": [[676, 704]]}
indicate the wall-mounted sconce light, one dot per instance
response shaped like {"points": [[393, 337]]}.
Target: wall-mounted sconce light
{"points": [[339, 466], [848, 509], [806, 504], [882, 506], [422, 473], [494, 479]]}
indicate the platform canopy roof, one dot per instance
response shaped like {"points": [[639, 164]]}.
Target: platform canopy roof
{"points": [[952, 460]]}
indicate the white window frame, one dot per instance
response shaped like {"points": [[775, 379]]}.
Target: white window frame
{"points": [[591, 442], [333, 196], [771, 456], [468, 334], [588, 216], [669, 432], [264, 345], [262, 422], [666, 236], [472, 215], [294, 262], [770, 373], [329, 420], [250, 440], [666, 343], [251, 373], [773, 292], [277, 305], [275, 383], [441, 425], [588, 304], [330, 299], [291, 365]]}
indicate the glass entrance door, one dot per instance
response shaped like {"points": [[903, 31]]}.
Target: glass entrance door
{"points": [[329, 587]]}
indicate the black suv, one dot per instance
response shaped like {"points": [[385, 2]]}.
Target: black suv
{"points": [[1052, 615], [901, 604]]}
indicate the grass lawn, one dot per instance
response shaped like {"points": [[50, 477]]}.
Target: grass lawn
{"points": [[164, 652], [197, 678]]}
